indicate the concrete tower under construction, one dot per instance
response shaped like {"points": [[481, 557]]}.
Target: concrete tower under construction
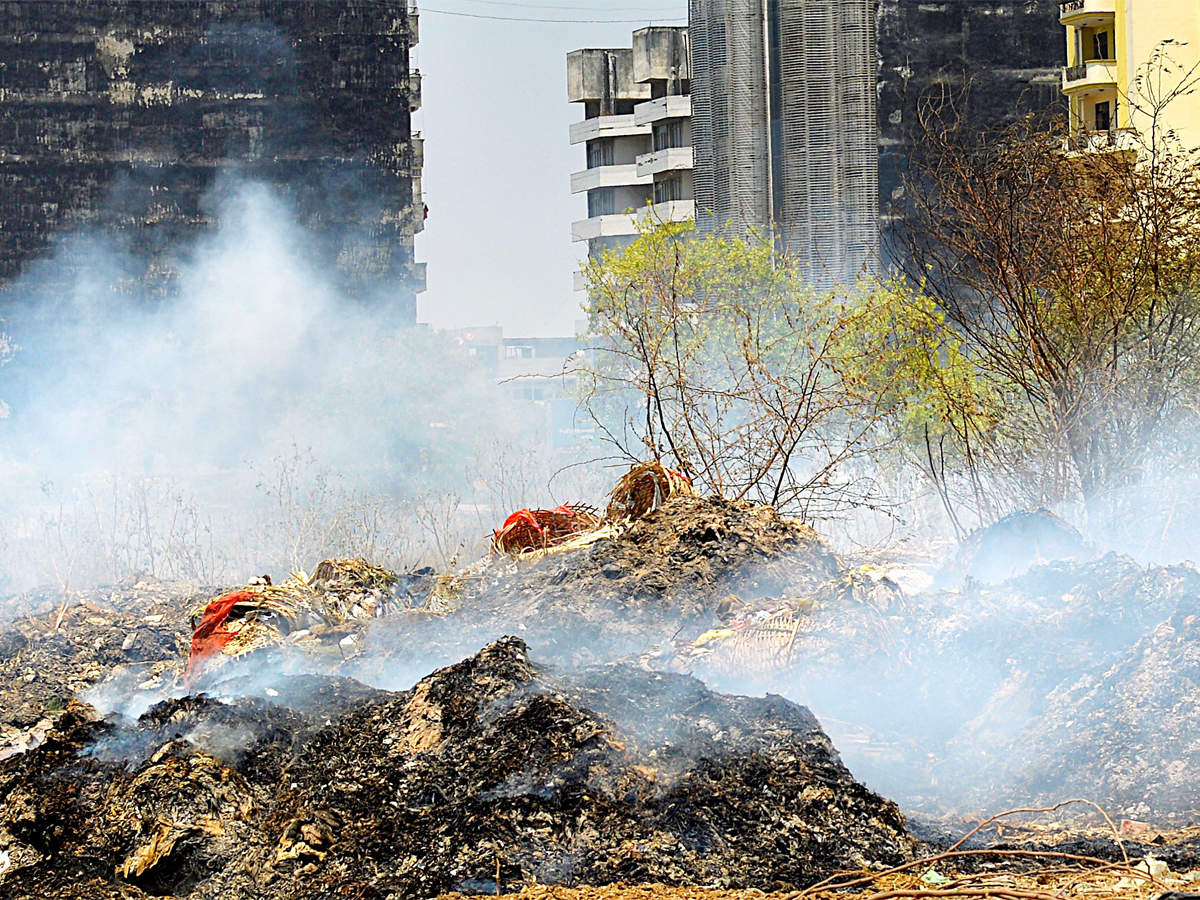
{"points": [[784, 127]]}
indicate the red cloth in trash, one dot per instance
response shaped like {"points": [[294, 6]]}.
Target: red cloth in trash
{"points": [[211, 635], [530, 517]]}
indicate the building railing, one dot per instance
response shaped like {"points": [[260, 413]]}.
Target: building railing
{"points": [[1081, 71], [1069, 8], [1119, 139]]}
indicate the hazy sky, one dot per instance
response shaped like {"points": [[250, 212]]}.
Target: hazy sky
{"points": [[497, 159]]}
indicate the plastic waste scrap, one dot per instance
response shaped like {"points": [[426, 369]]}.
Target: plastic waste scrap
{"points": [[265, 614]]}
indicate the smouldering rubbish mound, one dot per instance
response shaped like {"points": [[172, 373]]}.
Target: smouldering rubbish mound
{"points": [[658, 581], [1128, 733], [62, 645], [1075, 678], [494, 772], [1009, 547]]}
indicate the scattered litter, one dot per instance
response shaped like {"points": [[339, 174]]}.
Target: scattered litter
{"points": [[936, 878]]}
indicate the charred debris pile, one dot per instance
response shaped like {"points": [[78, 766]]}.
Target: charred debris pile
{"points": [[492, 773], [180, 741]]}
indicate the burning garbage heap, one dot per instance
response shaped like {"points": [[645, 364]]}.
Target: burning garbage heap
{"points": [[493, 773], [239, 743], [58, 647]]}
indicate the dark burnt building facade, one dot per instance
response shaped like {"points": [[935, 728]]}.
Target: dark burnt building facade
{"points": [[999, 58], [127, 115]]}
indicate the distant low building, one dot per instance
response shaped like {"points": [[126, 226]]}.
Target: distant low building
{"points": [[539, 375]]}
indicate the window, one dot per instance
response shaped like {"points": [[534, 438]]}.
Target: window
{"points": [[669, 134], [668, 189], [1103, 116], [600, 153], [602, 202], [1100, 45]]}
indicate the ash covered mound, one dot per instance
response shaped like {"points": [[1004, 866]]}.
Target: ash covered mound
{"points": [[1126, 734], [491, 774], [1075, 678], [1013, 545], [58, 646]]}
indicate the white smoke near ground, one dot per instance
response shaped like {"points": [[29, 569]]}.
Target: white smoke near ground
{"points": [[253, 420]]}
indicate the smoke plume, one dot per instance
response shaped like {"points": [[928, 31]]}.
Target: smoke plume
{"points": [[255, 407]]}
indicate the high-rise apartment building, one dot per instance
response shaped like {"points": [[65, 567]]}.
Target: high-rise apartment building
{"points": [[784, 126], [637, 134], [662, 60], [1125, 58], [997, 59]]}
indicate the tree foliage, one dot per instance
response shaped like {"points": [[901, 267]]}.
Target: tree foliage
{"points": [[1072, 282], [713, 355], [1042, 348]]}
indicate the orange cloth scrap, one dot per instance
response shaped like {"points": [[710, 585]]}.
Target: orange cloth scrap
{"points": [[537, 529]]}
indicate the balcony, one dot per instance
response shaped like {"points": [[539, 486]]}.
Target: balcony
{"points": [[1092, 77], [670, 107], [1117, 140], [1086, 13], [673, 159], [670, 211], [414, 90], [414, 25], [417, 157], [605, 126], [419, 279], [625, 175], [619, 225]]}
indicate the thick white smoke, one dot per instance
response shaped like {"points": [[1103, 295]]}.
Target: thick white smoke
{"points": [[250, 420]]}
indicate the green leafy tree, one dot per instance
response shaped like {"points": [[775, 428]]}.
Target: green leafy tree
{"points": [[712, 354]]}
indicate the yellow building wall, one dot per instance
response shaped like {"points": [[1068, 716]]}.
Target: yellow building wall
{"points": [[1146, 24], [1140, 27], [1122, 32]]}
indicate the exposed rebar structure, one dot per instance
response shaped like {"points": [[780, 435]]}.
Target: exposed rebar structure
{"points": [[784, 125]]}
